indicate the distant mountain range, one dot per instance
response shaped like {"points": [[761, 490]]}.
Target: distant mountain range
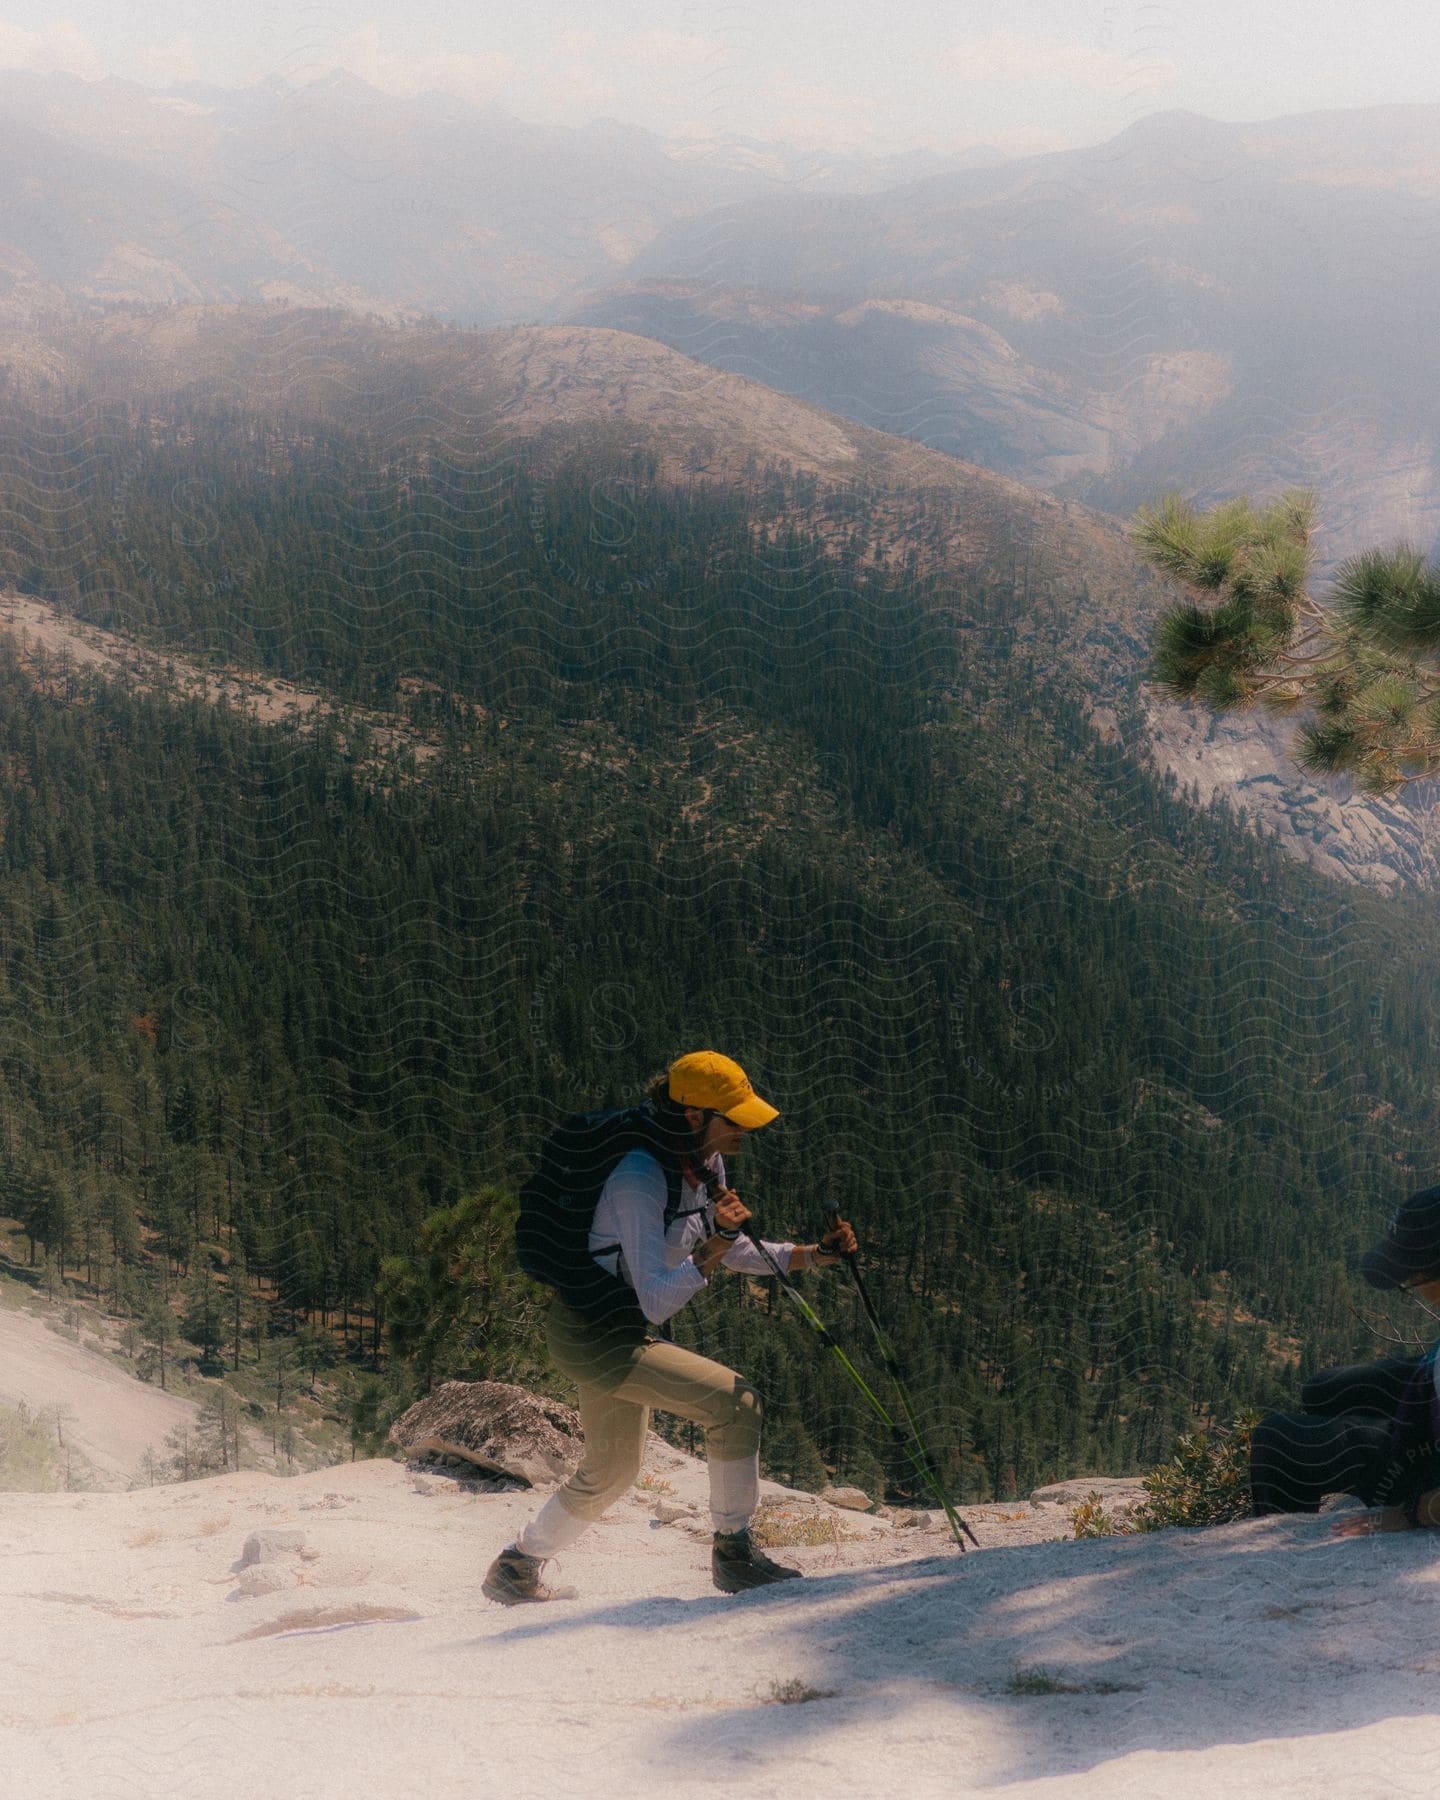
{"points": [[336, 193], [1211, 307], [1199, 305]]}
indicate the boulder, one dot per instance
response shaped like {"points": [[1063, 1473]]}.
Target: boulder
{"points": [[501, 1429], [852, 1498], [269, 1562], [1118, 1493], [272, 1546]]}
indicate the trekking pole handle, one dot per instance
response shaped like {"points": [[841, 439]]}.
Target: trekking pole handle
{"points": [[832, 1225]]}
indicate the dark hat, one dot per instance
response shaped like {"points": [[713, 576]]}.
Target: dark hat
{"points": [[1410, 1248]]}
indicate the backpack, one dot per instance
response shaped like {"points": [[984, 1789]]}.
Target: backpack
{"points": [[1414, 1451], [558, 1201]]}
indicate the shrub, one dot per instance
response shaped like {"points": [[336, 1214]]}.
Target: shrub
{"points": [[1025, 1683], [30, 1460], [795, 1693], [1091, 1520], [776, 1526], [1039, 1681], [655, 1484], [1205, 1482]]}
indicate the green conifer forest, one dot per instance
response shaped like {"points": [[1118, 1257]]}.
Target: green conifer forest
{"points": [[1112, 1092]]}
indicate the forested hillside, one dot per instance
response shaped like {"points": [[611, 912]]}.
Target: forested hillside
{"points": [[1112, 1092], [192, 468]]}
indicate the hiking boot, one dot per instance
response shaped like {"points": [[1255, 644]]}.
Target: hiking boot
{"points": [[514, 1578], [735, 1564]]}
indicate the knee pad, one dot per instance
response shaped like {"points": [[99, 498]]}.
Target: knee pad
{"points": [[739, 1427], [747, 1403]]}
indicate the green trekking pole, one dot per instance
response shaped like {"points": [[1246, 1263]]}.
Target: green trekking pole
{"points": [[908, 1442], [903, 1441], [892, 1369]]}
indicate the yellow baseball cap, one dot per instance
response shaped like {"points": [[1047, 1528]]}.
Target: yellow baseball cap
{"points": [[705, 1078]]}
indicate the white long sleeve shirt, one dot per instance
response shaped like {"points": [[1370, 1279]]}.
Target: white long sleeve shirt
{"points": [[631, 1213]]}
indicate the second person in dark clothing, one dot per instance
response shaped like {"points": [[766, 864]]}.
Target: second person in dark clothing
{"points": [[1367, 1429]]}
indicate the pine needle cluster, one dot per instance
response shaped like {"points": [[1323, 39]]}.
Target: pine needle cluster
{"points": [[1362, 670]]}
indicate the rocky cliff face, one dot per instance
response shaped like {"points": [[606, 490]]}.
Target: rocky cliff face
{"points": [[1389, 845]]}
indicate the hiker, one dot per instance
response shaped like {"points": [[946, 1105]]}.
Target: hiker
{"points": [[1369, 1429], [654, 1239]]}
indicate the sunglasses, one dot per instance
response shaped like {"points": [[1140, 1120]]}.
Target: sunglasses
{"points": [[712, 1113]]}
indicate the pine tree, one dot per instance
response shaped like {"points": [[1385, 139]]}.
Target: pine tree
{"points": [[202, 1319], [158, 1332], [460, 1305], [244, 1310], [216, 1440], [184, 1464], [789, 1455], [316, 1350]]}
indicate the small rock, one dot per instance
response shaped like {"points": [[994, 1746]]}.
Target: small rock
{"points": [[853, 1499], [670, 1512], [262, 1578], [342, 1571], [271, 1546]]}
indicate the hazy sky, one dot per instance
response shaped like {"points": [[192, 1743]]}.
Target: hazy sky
{"points": [[826, 73]]}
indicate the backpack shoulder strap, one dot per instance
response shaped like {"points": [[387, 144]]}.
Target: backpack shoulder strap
{"points": [[649, 1135]]}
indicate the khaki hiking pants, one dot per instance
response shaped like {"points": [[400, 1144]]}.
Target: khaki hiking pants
{"points": [[620, 1378]]}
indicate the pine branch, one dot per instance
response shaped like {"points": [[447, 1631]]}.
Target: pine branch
{"points": [[1366, 667]]}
